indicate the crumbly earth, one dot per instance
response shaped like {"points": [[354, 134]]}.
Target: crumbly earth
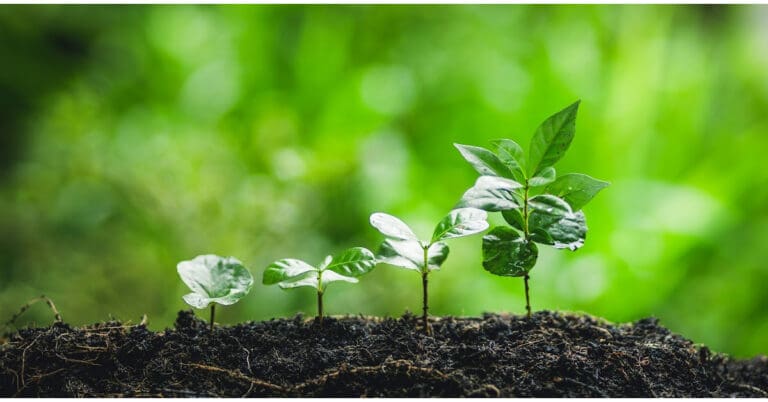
{"points": [[552, 354]]}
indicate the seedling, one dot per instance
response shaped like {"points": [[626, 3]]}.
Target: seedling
{"points": [[291, 273], [539, 206], [403, 249], [214, 279]]}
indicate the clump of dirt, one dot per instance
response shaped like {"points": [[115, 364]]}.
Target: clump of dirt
{"points": [[551, 354]]}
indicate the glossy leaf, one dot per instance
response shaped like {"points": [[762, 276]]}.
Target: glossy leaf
{"points": [[541, 236], [511, 154], [570, 231], [552, 139], [484, 161], [436, 255], [392, 227], [514, 217], [308, 279], [507, 253], [331, 276], [576, 189], [544, 177], [548, 204], [285, 269], [406, 254], [214, 279], [353, 262], [409, 254], [554, 223], [491, 194], [459, 223]]}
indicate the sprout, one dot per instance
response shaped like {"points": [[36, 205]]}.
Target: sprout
{"points": [[214, 279], [291, 273], [539, 206], [403, 249]]}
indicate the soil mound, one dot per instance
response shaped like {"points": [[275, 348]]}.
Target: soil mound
{"points": [[552, 354]]}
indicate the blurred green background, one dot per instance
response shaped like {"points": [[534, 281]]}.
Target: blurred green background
{"points": [[134, 137]]}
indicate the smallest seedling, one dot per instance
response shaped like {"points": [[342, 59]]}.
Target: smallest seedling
{"points": [[290, 273], [214, 279]]}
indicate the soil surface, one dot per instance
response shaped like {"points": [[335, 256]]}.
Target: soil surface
{"points": [[552, 354]]}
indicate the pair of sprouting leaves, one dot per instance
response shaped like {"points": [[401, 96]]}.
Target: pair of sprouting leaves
{"points": [[346, 266], [402, 248], [509, 180], [214, 279]]}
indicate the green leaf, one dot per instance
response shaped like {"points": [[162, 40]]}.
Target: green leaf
{"points": [[353, 262], [541, 236], [285, 269], [331, 276], [484, 161], [507, 253], [436, 255], [459, 223], [548, 205], [307, 279], [392, 227], [514, 217], [409, 254], [214, 279], [511, 154], [406, 254], [576, 189], [491, 194], [544, 177], [552, 139], [570, 231], [554, 223]]}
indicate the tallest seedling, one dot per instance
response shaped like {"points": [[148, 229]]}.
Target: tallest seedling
{"points": [[539, 206]]}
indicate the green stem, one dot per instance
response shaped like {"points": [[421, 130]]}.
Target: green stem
{"points": [[525, 233], [527, 300], [525, 211], [320, 297], [213, 315], [425, 294]]}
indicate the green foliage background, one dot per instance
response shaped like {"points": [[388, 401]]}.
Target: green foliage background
{"points": [[134, 137]]}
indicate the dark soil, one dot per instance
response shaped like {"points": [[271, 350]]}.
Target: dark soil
{"points": [[552, 354]]}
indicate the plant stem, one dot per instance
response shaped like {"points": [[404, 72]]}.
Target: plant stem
{"points": [[320, 307], [525, 233], [213, 315], [527, 299], [425, 307], [425, 295], [320, 297], [525, 212]]}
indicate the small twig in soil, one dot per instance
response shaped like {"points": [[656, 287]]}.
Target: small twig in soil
{"points": [[237, 375], [752, 388], [23, 364], [25, 307], [70, 360], [371, 369]]}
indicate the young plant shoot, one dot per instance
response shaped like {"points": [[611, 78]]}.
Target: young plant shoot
{"points": [[403, 249], [214, 279], [291, 273], [539, 206]]}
